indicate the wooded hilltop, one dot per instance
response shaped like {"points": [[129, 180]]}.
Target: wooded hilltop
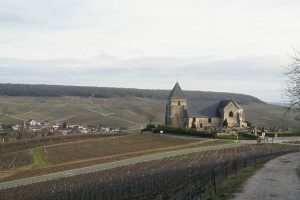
{"points": [[110, 92]]}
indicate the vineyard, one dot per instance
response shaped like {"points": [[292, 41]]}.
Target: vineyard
{"points": [[190, 176], [9, 147], [65, 153]]}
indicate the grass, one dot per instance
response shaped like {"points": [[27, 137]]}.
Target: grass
{"points": [[38, 160], [230, 185], [293, 142], [283, 134], [241, 136]]}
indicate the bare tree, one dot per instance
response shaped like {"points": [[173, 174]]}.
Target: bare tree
{"points": [[151, 115], [291, 86]]}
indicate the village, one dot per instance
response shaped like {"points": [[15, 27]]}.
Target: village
{"points": [[33, 128]]}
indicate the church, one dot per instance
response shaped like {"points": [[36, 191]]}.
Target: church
{"points": [[184, 113]]}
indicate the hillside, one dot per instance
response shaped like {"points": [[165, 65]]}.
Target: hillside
{"points": [[127, 112], [106, 92]]}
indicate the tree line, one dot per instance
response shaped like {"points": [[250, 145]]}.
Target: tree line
{"points": [[110, 92]]}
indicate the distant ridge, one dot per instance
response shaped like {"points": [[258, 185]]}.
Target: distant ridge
{"points": [[110, 92], [278, 104]]}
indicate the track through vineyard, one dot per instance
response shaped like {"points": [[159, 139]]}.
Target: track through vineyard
{"points": [[187, 176]]}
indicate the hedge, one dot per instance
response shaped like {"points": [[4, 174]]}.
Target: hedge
{"points": [[184, 131]]}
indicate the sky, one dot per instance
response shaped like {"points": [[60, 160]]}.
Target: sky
{"points": [[238, 46]]}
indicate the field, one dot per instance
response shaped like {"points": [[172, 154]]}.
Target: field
{"points": [[191, 176], [268, 115], [128, 112], [112, 112], [24, 158], [195, 175], [9, 147]]}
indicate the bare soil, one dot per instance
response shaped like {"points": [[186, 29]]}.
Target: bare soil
{"points": [[61, 157], [179, 177]]}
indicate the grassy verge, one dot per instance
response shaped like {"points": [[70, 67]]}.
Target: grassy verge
{"points": [[293, 142], [230, 185], [283, 134], [242, 136], [38, 160]]}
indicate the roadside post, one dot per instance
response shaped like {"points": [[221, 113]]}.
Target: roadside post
{"points": [[258, 139], [270, 139], [161, 132]]}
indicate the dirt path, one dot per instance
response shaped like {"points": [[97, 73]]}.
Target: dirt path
{"points": [[279, 179]]}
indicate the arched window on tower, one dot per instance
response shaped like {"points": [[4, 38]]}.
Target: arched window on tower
{"points": [[209, 120], [230, 114]]}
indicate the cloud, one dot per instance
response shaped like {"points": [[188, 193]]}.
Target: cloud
{"points": [[47, 15], [213, 45]]}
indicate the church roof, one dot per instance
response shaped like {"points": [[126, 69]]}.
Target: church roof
{"points": [[176, 92], [203, 108], [224, 103], [207, 108]]}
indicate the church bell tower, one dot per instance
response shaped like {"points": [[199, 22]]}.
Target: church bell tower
{"points": [[176, 114]]}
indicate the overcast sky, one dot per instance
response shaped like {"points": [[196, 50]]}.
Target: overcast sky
{"points": [[235, 46]]}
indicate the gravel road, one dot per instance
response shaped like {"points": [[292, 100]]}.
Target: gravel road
{"points": [[279, 179]]}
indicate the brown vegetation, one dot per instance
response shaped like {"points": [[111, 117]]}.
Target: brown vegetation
{"points": [[196, 175], [90, 152], [9, 147], [15, 159]]}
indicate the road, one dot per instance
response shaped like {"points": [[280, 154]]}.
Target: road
{"points": [[11, 184], [278, 179]]}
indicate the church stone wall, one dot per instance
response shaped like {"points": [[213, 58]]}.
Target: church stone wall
{"points": [[176, 112], [203, 122], [235, 118], [175, 102], [178, 115]]}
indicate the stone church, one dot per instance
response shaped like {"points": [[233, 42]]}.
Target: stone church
{"points": [[183, 113]]}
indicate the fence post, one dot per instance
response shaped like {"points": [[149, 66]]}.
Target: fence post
{"points": [[234, 168], [214, 181]]}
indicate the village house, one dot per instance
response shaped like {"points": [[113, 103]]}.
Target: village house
{"points": [[35, 128], [32, 122], [1, 130], [184, 113]]}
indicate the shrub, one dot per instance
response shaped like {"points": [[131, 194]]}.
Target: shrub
{"points": [[248, 123], [193, 125], [225, 123], [149, 127]]}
